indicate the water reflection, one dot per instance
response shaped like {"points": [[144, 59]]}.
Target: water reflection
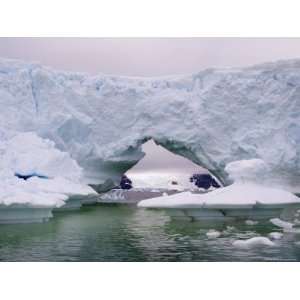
{"points": [[125, 233]]}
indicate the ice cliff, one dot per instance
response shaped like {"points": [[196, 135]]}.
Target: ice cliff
{"points": [[212, 118]]}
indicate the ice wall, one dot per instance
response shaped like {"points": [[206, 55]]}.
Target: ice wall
{"points": [[212, 117]]}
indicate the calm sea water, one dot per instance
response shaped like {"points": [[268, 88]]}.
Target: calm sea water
{"points": [[126, 233]]}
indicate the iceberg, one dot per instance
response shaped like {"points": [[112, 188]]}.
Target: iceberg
{"points": [[245, 199], [212, 118], [36, 178]]}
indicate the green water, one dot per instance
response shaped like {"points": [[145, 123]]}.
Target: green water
{"points": [[126, 233]]}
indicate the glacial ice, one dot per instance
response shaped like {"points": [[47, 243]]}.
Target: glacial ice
{"points": [[28, 154], [212, 117], [244, 198]]}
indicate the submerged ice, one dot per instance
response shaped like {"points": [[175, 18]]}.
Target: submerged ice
{"points": [[212, 118]]}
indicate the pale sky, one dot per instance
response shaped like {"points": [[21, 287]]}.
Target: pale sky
{"points": [[149, 57], [158, 158]]}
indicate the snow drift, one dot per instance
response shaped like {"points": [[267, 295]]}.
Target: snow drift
{"points": [[51, 176], [212, 118]]}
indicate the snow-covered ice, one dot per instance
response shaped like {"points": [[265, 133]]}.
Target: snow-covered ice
{"points": [[52, 176], [212, 117], [275, 235], [243, 195], [253, 242], [213, 234], [282, 224]]}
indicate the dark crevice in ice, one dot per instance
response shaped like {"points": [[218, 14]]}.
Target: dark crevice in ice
{"points": [[27, 176]]}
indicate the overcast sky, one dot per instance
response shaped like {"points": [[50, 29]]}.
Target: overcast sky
{"points": [[149, 57]]}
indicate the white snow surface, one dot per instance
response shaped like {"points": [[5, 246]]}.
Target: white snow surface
{"points": [[275, 235], [212, 117], [243, 193], [27, 154], [213, 234], [237, 195], [253, 242], [282, 224]]}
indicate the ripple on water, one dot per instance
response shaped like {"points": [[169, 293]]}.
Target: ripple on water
{"points": [[125, 233]]}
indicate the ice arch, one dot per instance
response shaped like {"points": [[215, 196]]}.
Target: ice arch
{"points": [[133, 154], [212, 117]]}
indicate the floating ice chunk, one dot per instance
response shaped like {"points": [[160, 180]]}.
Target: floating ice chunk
{"points": [[275, 235], [279, 223], [213, 234], [253, 242], [230, 228], [251, 222], [236, 196]]}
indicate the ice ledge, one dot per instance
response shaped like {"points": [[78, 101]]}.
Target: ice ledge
{"points": [[245, 198]]}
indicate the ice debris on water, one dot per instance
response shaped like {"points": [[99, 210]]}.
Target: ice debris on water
{"points": [[251, 222], [275, 235], [213, 234], [253, 242], [282, 224]]}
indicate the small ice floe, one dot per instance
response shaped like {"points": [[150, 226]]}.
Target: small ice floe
{"points": [[275, 235], [213, 234], [230, 228], [253, 242], [282, 224], [251, 222]]}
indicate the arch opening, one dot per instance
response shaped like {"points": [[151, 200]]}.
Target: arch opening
{"points": [[161, 168], [156, 164]]}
